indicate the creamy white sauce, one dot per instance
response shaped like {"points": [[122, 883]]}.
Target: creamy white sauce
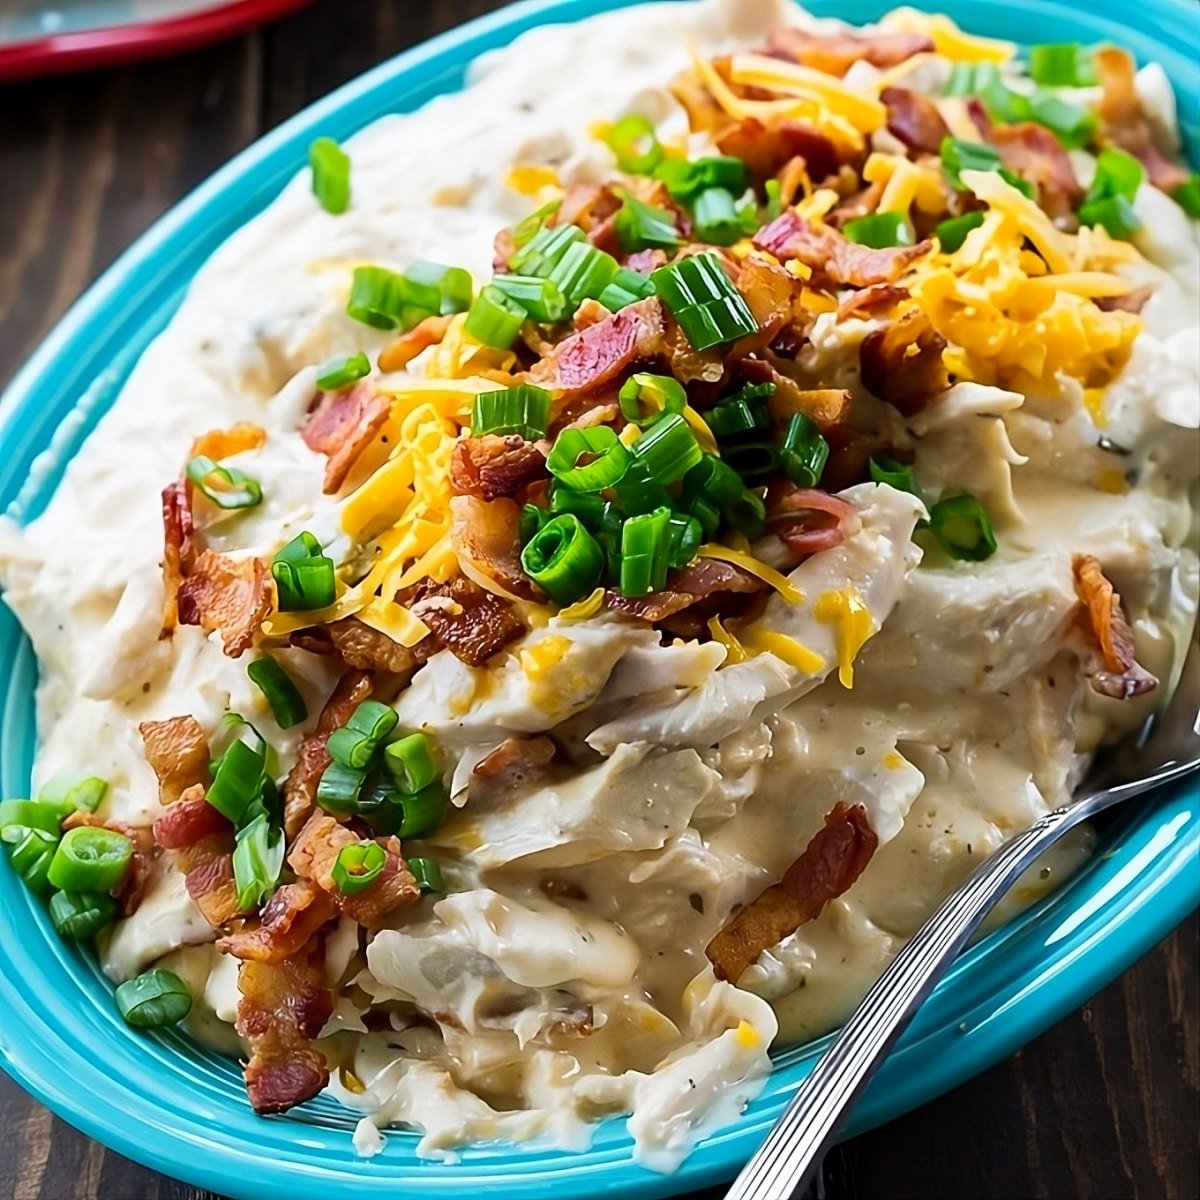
{"points": [[968, 719]]}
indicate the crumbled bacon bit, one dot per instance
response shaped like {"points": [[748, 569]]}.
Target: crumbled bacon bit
{"points": [[177, 752], [1132, 302], [283, 1006], [914, 119], [222, 443], [882, 295], [807, 520], [836, 53], [831, 862], [486, 535], [399, 352], [231, 597], [1033, 152], [765, 149], [1104, 620], [831, 256], [288, 921], [357, 644], [200, 841], [864, 201], [703, 579], [492, 466], [470, 622], [342, 426], [773, 296], [645, 261], [179, 546], [901, 363], [300, 787], [514, 763]]}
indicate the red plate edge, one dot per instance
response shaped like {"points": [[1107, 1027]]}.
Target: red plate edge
{"points": [[132, 43]]}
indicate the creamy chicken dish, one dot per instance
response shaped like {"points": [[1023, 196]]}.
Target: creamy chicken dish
{"points": [[596, 560]]}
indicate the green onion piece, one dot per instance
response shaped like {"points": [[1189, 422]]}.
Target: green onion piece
{"points": [[1072, 124], [738, 416], [714, 480], [338, 788], [523, 410], [715, 217], [615, 297], [544, 249], [226, 487], [540, 298], [19, 816], [645, 398], [958, 156], [384, 300], [803, 452], [685, 535], [1187, 196], [642, 226], [257, 862], [984, 80], [237, 780], [424, 811], [634, 143], [627, 287], [879, 230], [684, 180], [608, 534], [584, 272], [753, 460], [961, 81], [409, 761], [1114, 213], [90, 858], [645, 553], [373, 719], [31, 857], [747, 514], [301, 548], [303, 575], [357, 742], [450, 288], [668, 450], [702, 298], [952, 232], [747, 214], [1117, 174], [1020, 183], [341, 372], [962, 526], [407, 815], [637, 493], [705, 512], [494, 318], [330, 166], [427, 873], [774, 205], [894, 474], [589, 507], [609, 458], [81, 915], [528, 227], [357, 866], [532, 519], [153, 1000], [1062, 64], [563, 558], [68, 790], [287, 705]]}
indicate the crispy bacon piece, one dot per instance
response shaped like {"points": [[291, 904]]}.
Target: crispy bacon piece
{"points": [[1131, 302], [231, 597], [513, 763], [177, 751], [706, 578], [901, 362], [200, 841], [342, 426], [399, 352], [773, 296], [807, 520], [133, 886], [831, 256], [645, 261], [1124, 120], [222, 443], [864, 201], [359, 645], [825, 407], [288, 922], [300, 787], [588, 360], [1034, 152], [588, 205], [1104, 620], [831, 862], [486, 535], [492, 466], [179, 546], [316, 850], [835, 53], [765, 149], [882, 295], [470, 622], [914, 119], [283, 1006]]}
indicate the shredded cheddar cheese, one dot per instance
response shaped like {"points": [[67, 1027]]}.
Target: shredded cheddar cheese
{"points": [[905, 183], [845, 609], [781, 583], [581, 610], [785, 648], [735, 652], [529, 179], [948, 40], [747, 1035]]}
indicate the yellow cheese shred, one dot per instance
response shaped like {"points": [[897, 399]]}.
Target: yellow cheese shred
{"points": [[781, 583], [581, 610], [846, 609], [948, 40], [735, 652], [785, 648]]}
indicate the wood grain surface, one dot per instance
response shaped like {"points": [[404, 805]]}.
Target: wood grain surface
{"points": [[1105, 1105]]}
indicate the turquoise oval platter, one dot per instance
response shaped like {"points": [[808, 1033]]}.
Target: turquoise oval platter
{"points": [[166, 1102]]}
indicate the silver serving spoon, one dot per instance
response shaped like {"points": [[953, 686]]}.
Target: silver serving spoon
{"points": [[1166, 748]]}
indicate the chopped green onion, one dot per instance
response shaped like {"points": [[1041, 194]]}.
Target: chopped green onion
{"points": [[304, 582], [338, 788], [684, 180], [1062, 64], [357, 866], [715, 480], [449, 288], [685, 535], [81, 915], [237, 780], [608, 534], [747, 514], [879, 230], [637, 493], [532, 519], [645, 398], [627, 287], [668, 450], [427, 873], [774, 205], [615, 297], [969, 79], [68, 790], [803, 452], [301, 548], [257, 862], [90, 858], [753, 460], [715, 217], [705, 512], [563, 558], [494, 318], [1021, 184], [384, 300], [609, 458], [408, 815], [1109, 201], [961, 525], [341, 372], [153, 1000], [544, 249], [1072, 124], [894, 474], [287, 705], [702, 298], [357, 742], [409, 761], [1187, 196], [226, 487], [635, 145], [330, 166], [642, 226], [645, 553], [539, 297], [18, 816], [31, 857], [523, 410], [587, 506], [584, 272], [1114, 213], [747, 214], [528, 227], [737, 417], [373, 719], [952, 232], [959, 155]]}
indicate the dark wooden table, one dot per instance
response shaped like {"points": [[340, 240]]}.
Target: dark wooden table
{"points": [[1105, 1105]]}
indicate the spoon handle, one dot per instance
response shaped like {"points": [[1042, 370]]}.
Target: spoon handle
{"points": [[787, 1160]]}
